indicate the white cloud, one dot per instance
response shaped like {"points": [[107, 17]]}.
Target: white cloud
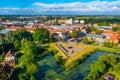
{"points": [[93, 7], [97, 6]]}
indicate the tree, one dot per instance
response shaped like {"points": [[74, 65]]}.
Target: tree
{"points": [[59, 38], [102, 66], [58, 58], [85, 40], [9, 37], [41, 35], [27, 60], [74, 34], [21, 33], [1, 27], [118, 32], [51, 38], [1, 41]]}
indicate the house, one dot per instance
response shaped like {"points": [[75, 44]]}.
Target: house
{"points": [[104, 27], [61, 21], [107, 33], [4, 32], [82, 21], [112, 36], [114, 25], [10, 59], [64, 35], [70, 21], [109, 77], [7, 67], [97, 38]]}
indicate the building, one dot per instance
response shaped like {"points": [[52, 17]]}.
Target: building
{"points": [[70, 21], [82, 21], [109, 77], [61, 21], [107, 33], [97, 38], [114, 38], [6, 68], [104, 27], [10, 59]]}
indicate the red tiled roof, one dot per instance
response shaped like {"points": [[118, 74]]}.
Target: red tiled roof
{"points": [[107, 31], [9, 54]]}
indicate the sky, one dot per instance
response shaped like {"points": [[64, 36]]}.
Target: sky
{"points": [[60, 7]]}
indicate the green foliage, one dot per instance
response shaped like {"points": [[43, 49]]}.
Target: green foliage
{"points": [[1, 28], [1, 59], [116, 28], [76, 62], [58, 58], [117, 68], [18, 35], [51, 38], [41, 35], [110, 45], [22, 33], [17, 44], [118, 32], [3, 75], [102, 66], [95, 30], [59, 38], [27, 61], [74, 34], [9, 37], [85, 40], [2, 41], [15, 37]]}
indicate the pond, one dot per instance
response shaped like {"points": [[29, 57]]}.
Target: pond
{"points": [[50, 70]]}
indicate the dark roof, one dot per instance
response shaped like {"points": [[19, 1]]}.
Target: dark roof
{"points": [[7, 69]]}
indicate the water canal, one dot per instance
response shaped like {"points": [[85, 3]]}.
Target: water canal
{"points": [[50, 70]]}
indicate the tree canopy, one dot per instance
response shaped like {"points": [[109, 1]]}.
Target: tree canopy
{"points": [[41, 35], [74, 34]]}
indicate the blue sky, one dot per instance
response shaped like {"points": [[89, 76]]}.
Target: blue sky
{"points": [[79, 7]]}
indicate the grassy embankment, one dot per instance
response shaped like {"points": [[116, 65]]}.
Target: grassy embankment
{"points": [[53, 45], [83, 55], [75, 59], [79, 57], [106, 49]]}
